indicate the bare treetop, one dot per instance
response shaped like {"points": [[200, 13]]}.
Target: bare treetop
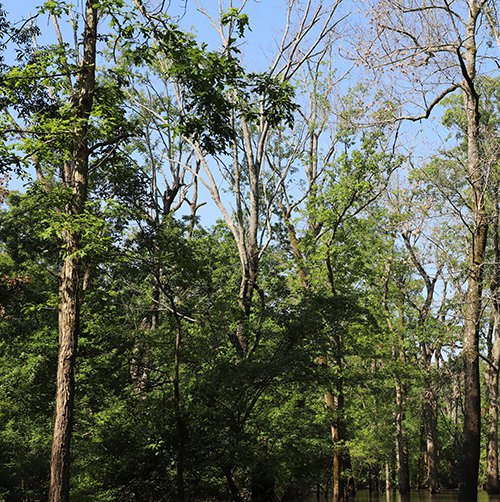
{"points": [[421, 47]]}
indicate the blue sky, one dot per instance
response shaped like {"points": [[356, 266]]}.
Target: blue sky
{"points": [[266, 21], [266, 18]]}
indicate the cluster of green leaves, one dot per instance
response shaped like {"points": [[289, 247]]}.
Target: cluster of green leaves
{"points": [[260, 419]]}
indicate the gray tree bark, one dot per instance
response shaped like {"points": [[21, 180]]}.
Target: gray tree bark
{"points": [[75, 178], [473, 300]]}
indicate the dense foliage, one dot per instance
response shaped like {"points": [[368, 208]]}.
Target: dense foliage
{"points": [[266, 279]]}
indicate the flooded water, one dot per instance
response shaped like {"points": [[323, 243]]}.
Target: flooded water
{"points": [[422, 496]]}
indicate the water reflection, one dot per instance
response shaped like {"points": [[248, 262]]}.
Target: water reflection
{"points": [[422, 496]]}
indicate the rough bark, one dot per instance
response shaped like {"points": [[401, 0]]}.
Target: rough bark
{"points": [[65, 385], [492, 370], [76, 178], [491, 411], [479, 230]]}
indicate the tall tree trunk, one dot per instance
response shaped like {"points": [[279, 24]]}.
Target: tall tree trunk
{"points": [[65, 385], [402, 460], [140, 362], [479, 230], [247, 235], [401, 448], [338, 478], [335, 404], [334, 401], [427, 350], [387, 478], [245, 306], [492, 369], [429, 414], [76, 178], [402, 468], [249, 259], [491, 384]]}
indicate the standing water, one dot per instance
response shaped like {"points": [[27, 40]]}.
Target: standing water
{"points": [[422, 496]]}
